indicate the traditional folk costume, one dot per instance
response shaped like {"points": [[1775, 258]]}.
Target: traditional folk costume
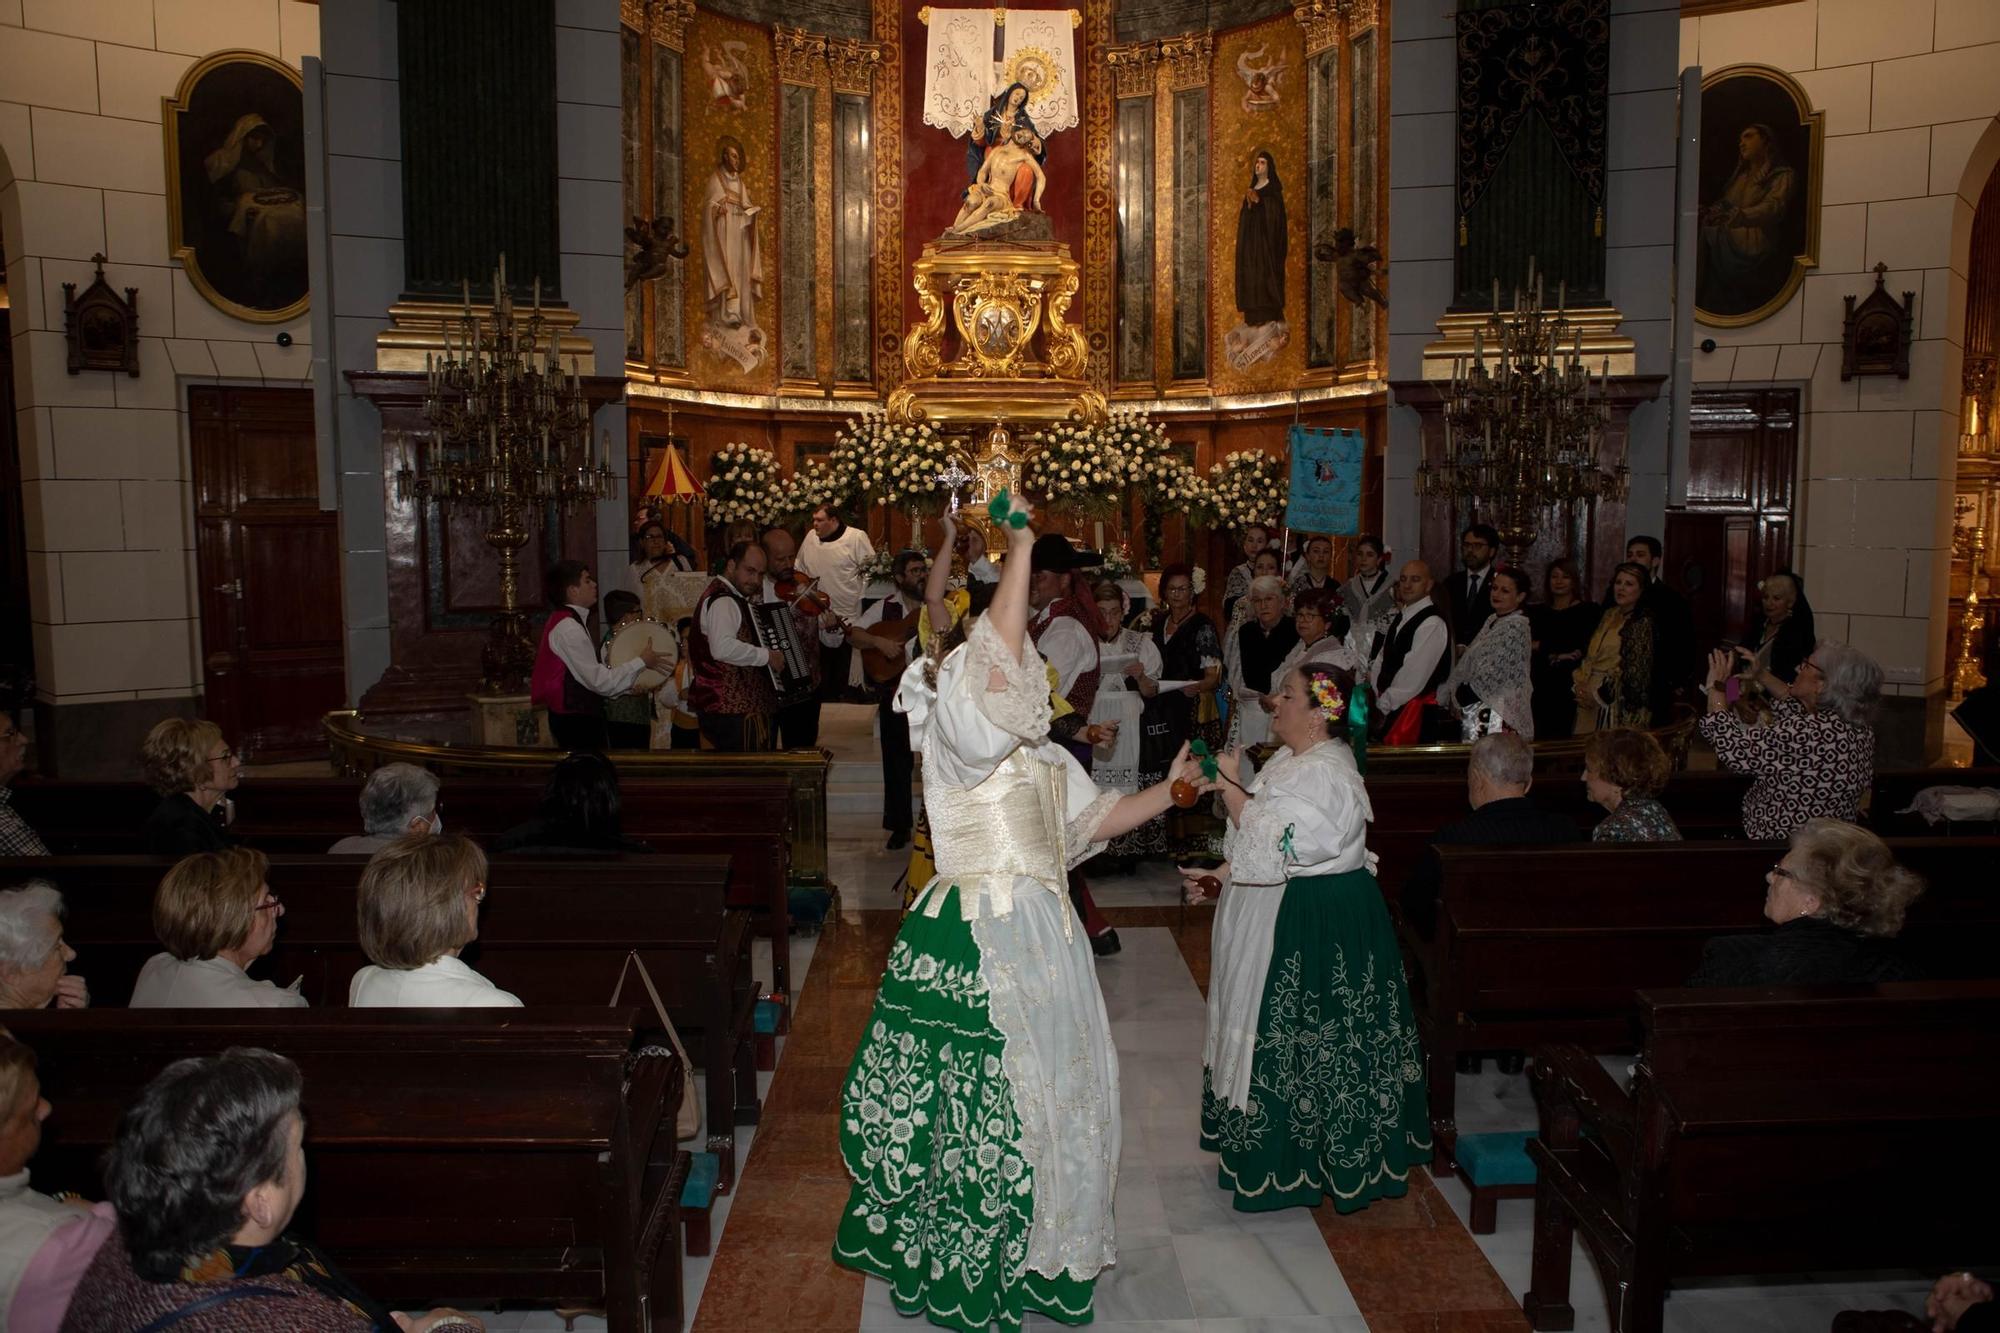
{"points": [[1312, 1078], [732, 694], [980, 1115], [1495, 673]]}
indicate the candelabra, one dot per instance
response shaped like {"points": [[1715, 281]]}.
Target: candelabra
{"points": [[1966, 674], [1522, 436], [507, 434]]}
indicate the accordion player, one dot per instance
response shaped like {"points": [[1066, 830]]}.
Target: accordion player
{"points": [[778, 628]]}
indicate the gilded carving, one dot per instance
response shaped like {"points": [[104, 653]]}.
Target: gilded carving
{"points": [[1133, 65], [854, 63], [997, 315], [632, 13], [801, 55], [670, 19], [1100, 203], [1322, 21], [1066, 351], [923, 349], [888, 127], [1188, 59]]}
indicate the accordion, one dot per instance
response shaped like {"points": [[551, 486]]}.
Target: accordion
{"points": [[778, 627]]}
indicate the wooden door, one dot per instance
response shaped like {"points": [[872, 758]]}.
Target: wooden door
{"points": [[269, 568], [1737, 524]]}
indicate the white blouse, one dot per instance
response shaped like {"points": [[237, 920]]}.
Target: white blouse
{"points": [[445, 983], [1308, 815], [167, 982]]}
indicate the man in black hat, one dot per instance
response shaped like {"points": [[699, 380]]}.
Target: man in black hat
{"points": [[1064, 630]]}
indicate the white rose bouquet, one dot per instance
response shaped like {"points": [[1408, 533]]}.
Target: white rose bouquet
{"points": [[1081, 470], [1249, 486], [893, 463], [744, 484]]}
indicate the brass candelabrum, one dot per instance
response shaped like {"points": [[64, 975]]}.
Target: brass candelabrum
{"points": [[507, 433], [1966, 674], [1521, 434]]}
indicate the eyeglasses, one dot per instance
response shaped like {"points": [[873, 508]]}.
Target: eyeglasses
{"points": [[270, 904], [218, 758]]}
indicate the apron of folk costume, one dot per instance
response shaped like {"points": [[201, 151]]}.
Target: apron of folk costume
{"points": [[980, 1116]]}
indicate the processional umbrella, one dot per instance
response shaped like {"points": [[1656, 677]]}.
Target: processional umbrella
{"points": [[671, 482]]}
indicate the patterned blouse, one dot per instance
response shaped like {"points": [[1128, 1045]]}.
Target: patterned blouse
{"points": [[1637, 819], [1808, 765]]}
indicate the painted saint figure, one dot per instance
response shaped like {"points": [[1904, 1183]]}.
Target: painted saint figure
{"points": [[1746, 243], [1261, 242], [732, 259], [263, 211], [1007, 114]]}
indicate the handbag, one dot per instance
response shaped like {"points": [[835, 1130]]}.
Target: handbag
{"points": [[687, 1119]]}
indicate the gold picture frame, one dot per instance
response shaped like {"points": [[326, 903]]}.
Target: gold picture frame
{"points": [[1746, 270], [234, 131]]}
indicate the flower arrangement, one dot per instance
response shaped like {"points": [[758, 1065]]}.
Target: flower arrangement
{"points": [[881, 567], [743, 484], [1249, 486], [1081, 469], [894, 463], [1118, 562]]}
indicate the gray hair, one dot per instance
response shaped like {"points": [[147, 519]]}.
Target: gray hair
{"points": [[1853, 682], [27, 915], [395, 795], [1504, 758], [1264, 583]]}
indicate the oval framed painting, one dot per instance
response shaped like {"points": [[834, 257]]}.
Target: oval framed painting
{"points": [[236, 199], [1758, 228]]}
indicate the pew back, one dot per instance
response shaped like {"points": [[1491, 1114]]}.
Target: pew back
{"points": [[503, 1154]]}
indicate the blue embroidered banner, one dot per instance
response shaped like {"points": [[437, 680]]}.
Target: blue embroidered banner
{"points": [[1326, 481]]}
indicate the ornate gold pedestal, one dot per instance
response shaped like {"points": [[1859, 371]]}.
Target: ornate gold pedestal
{"points": [[995, 342]]}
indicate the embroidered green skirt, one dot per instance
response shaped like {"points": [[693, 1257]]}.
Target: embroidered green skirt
{"points": [[1337, 1106], [943, 1199]]}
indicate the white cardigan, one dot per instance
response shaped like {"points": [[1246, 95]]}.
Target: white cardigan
{"points": [[445, 983]]}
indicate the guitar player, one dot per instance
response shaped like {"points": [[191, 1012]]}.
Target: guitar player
{"points": [[885, 634]]}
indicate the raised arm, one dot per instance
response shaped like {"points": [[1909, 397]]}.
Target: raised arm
{"points": [[1009, 612], [939, 581]]}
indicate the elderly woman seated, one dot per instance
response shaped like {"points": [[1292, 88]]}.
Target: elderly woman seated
{"points": [[216, 915], [1838, 899], [398, 799], [418, 906], [34, 961], [1814, 756], [193, 770], [207, 1168], [44, 1244], [1624, 770]]}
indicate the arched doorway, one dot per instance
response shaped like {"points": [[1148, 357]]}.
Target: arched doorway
{"points": [[1974, 492]]}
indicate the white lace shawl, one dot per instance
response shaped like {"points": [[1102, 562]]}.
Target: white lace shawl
{"points": [[1496, 667]]}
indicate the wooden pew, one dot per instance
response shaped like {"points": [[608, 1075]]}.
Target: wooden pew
{"points": [[553, 932], [1894, 789], [1410, 810], [1778, 1130], [748, 820], [465, 1154], [1548, 944]]}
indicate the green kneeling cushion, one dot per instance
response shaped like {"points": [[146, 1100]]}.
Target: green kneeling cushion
{"points": [[1496, 1159]]}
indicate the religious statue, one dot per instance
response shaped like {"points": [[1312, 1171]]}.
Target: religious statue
{"points": [[1353, 267], [1010, 180], [1007, 114], [1260, 77], [655, 243], [733, 261], [1261, 242]]}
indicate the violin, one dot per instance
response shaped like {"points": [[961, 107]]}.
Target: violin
{"points": [[806, 598]]}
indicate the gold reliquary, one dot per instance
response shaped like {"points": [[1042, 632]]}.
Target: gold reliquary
{"points": [[995, 338]]}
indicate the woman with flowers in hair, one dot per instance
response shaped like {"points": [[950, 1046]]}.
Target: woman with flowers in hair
{"points": [[1312, 1077]]}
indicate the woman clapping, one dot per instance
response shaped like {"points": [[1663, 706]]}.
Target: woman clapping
{"points": [[1312, 1074]]}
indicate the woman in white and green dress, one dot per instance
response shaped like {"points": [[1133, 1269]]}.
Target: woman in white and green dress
{"points": [[1312, 1077], [980, 1116]]}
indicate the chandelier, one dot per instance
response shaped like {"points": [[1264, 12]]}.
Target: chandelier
{"points": [[1521, 438], [507, 433]]}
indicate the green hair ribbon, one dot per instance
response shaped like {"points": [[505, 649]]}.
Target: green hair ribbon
{"points": [[1209, 768], [1357, 723], [1001, 510]]}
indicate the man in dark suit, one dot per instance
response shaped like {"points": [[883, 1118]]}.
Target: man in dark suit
{"points": [[1496, 784], [1675, 645], [1467, 591]]}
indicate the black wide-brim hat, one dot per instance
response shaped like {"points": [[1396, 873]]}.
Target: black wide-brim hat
{"points": [[1052, 552]]}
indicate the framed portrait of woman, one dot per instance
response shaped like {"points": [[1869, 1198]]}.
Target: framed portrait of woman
{"points": [[236, 201], [1758, 230]]}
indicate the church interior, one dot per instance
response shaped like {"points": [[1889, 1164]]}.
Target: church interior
{"points": [[1584, 405]]}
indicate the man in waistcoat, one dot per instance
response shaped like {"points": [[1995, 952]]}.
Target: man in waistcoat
{"points": [[873, 631], [1411, 656], [732, 691], [1063, 627], [568, 680]]}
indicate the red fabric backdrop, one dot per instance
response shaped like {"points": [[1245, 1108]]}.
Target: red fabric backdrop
{"points": [[934, 174]]}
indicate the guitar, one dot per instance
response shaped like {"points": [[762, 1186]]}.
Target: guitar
{"points": [[879, 667]]}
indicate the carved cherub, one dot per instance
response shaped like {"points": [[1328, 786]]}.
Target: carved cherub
{"points": [[655, 243], [1353, 267]]}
